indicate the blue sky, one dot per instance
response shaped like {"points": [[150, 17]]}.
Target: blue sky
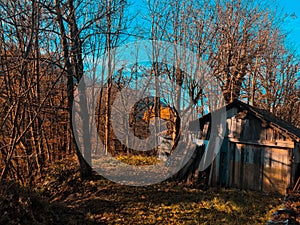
{"points": [[292, 8]]}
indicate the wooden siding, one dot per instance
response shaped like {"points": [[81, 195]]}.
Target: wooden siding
{"points": [[247, 167], [276, 171], [253, 167], [257, 153]]}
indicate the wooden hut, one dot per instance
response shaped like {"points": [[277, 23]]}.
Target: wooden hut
{"points": [[259, 150]]}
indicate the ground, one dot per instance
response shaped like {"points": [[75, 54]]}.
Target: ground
{"points": [[62, 198]]}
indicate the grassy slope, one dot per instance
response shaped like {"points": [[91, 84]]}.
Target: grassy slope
{"points": [[64, 199], [171, 204]]}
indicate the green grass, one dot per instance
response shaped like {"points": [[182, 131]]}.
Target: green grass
{"points": [[104, 202], [169, 203], [138, 160]]}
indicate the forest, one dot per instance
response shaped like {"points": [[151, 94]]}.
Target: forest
{"points": [[54, 53]]}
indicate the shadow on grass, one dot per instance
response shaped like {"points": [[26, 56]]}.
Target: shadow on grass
{"points": [[169, 203], [20, 205]]}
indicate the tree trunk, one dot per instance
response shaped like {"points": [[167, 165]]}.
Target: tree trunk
{"points": [[85, 168]]}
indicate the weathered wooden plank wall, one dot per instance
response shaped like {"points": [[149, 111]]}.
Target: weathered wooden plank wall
{"points": [[277, 168], [256, 153]]}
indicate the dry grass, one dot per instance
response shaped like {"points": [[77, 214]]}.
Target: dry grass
{"points": [[63, 198]]}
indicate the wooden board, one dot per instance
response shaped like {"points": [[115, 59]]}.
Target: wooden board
{"points": [[259, 168], [277, 167]]}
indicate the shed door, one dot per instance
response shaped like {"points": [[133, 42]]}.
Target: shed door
{"points": [[246, 167], [276, 170]]}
